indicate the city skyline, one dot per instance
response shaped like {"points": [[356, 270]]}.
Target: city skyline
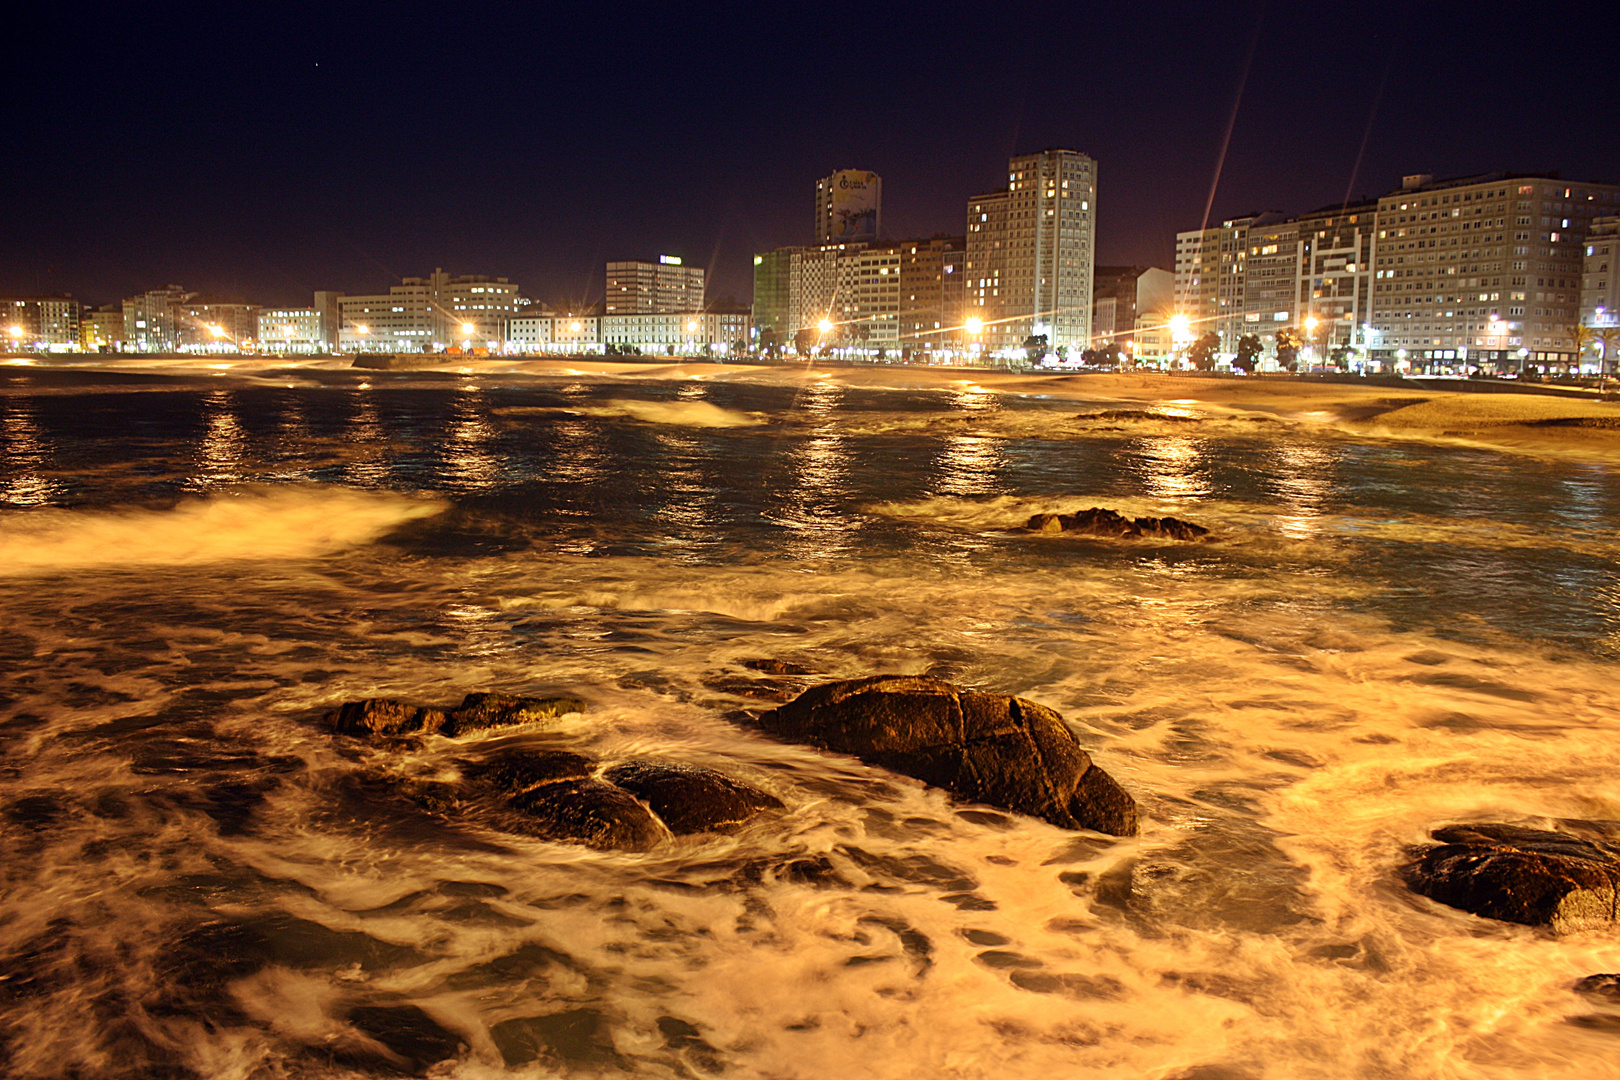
{"points": [[268, 153]]}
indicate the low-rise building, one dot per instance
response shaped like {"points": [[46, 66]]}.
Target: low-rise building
{"points": [[428, 315], [684, 333], [102, 330], [1123, 296]]}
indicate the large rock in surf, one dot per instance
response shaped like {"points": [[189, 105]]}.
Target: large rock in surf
{"points": [[690, 798], [1099, 522], [987, 748], [1533, 876], [477, 712], [633, 805]]}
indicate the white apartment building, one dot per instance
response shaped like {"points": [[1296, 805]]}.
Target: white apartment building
{"points": [[1484, 269], [868, 300], [291, 330], [1031, 252], [665, 286], [1600, 274], [685, 333], [151, 320], [428, 314]]}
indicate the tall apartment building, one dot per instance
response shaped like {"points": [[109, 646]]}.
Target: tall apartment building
{"points": [[1486, 267], [1031, 252], [773, 296], [1271, 281], [868, 299], [932, 273], [645, 288], [1600, 274], [428, 314], [1211, 276], [1125, 297], [849, 207], [152, 320], [46, 322]]}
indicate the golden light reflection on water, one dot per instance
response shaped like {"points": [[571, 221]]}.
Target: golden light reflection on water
{"points": [[1173, 467], [367, 442], [969, 465], [813, 502], [25, 457], [469, 457], [1302, 478], [224, 443]]}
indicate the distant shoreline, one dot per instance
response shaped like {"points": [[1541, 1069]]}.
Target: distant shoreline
{"points": [[1529, 418]]}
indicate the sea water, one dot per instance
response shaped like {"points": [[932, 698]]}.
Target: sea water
{"points": [[1376, 639]]}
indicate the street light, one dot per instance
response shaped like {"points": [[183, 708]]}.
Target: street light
{"points": [[974, 327]]}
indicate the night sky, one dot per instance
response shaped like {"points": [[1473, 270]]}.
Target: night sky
{"points": [[259, 153]]}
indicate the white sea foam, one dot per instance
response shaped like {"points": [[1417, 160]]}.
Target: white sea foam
{"points": [[259, 525]]}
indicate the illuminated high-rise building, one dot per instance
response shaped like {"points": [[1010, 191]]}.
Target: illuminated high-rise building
{"points": [[646, 288], [849, 207], [1031, 252]]}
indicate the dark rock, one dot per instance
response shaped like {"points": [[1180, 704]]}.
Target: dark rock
{"points": [[573, 1038], [477, 712], [1099, 522], [518, 771], [988, 748], [588, 812], [692, 799], [382, 716], [1532, 876], [1602, 987], [771, 666], [480, 712], [408, 1032]]}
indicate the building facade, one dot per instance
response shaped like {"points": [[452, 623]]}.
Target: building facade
{"points": [[102, 330], [1031, 252], [47, 323], [1600, 274], [650, 288], [849, 208], [152, 320], [1484, 270], [932, 276], [216, 326], [685, 333], [1126, 296], [291, 330], [427, 315]]}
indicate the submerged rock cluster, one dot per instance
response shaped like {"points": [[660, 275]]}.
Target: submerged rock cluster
{"points": [[982, 748], [1537, 877], [985, 748], [1100, 522]]}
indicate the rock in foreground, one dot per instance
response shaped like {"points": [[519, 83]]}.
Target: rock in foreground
{"points": [[1532, 876], [1099, 522], [477, 712], [986, 748]]}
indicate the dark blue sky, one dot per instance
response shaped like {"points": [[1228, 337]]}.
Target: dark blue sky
{"points": [[266, 151]]}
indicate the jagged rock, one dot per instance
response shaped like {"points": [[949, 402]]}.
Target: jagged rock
{"points": [[1099, 522], [690, 798], [477, 712], [986, 748], [518, 771], [382, 716], [589, 812], [480, 712], [1522, 875], [1603, 987]]}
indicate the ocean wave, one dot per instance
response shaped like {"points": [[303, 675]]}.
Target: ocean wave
{"points": [[257, 525]]}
